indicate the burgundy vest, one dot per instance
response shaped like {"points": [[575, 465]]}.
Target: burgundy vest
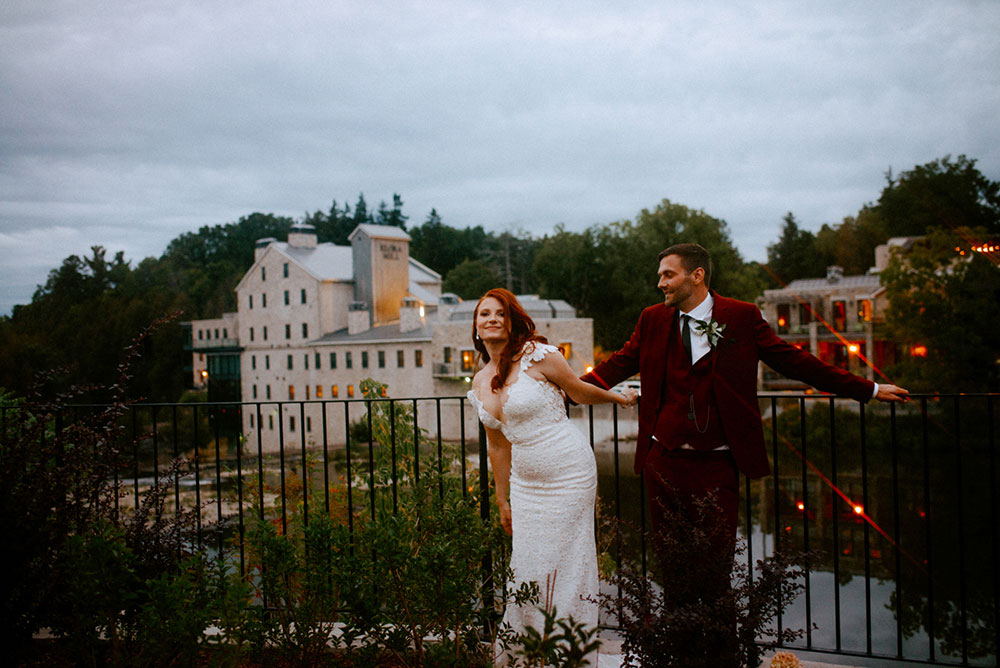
{"points": [[688, 411]]}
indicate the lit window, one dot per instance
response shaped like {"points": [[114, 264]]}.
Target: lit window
{"points": [[350, 390], [864, 310], [291, 392], [783, 316], [418, 358], [308, 392], [334, 391], [468, 360], [319, 391], [447, 354]]}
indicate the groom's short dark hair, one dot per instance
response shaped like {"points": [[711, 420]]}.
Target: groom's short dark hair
{"points": [[692, 256]]}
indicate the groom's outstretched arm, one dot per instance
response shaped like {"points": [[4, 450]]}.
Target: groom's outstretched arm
{"points": [[622, 364]]}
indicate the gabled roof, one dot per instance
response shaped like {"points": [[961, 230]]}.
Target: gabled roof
{"points": [[380, 232], [868, 283], [421, 272]]}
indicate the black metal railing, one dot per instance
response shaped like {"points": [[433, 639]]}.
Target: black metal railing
{"points": [[897, 504]]}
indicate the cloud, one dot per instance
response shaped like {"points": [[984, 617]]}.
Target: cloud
{"points": [[147, 120]]}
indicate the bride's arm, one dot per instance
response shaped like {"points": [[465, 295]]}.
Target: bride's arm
{"points": [[499, 451], [556, 369]]}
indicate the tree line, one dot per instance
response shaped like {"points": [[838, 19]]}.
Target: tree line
{"points": [[90, 307]]}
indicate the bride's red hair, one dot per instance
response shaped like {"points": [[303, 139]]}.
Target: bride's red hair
{"points": [[520, 329]]}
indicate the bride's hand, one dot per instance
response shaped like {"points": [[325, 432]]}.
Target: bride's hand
{"points": [[505, 520], [628, 397]]}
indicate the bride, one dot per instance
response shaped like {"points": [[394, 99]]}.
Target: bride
{"points": [[543, 467]]}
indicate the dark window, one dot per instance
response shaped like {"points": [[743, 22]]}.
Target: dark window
{"points": [[400, 359], [284, 270], [251, 301], [805, 314], [305, 360], [364, 359], [263, 275], [251, 333], [267, 391], [289, 362], [270, 422], [200, 335], [288, 331], [287, 300], [263, 300], [254, 396], [347, 360], [447, 354], [418, 358], [309, 424], [333, 360], [317, 360], [381, 359], [267, 361], [305, 330], [253, 361], [291, 423], [265, 332], [303, 295]]}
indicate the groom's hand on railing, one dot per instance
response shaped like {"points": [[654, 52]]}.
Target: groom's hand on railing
{"points": [[892, 393]]}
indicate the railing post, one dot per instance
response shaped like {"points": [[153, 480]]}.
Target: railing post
{"points": [[484, 514]]}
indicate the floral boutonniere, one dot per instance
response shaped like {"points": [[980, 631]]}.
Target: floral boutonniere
{"points": [[712, 329]]}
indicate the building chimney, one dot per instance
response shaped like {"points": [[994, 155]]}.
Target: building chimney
{"points": [[834, 274], [411, 315], [261, 246], [302, 236], [358, 318]]}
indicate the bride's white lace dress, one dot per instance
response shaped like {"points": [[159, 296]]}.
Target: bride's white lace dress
{"points": [[553, 485]]}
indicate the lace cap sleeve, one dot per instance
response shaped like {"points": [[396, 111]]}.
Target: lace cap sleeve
{"points": [[535, 351], [484, 417]]}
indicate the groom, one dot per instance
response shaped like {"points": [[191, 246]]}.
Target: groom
{"points": [[699, 421]]}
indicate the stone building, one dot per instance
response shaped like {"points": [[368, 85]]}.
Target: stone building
{"points": [[837, 318], [315, 320]]}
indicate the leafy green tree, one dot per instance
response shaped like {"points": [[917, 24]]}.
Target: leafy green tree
{"points": [[851, 244], [392, 216], [943, 193], [794, 255], [442, 247], [945, 301], [470, 279]]}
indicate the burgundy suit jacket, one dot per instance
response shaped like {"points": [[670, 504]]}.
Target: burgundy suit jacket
{"points": [[746, 339]]}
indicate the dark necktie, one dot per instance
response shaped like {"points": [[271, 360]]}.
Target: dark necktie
{"points": [[686, 335]]}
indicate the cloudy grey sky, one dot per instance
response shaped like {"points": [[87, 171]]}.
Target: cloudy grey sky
{"points": [[127, 123]]}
